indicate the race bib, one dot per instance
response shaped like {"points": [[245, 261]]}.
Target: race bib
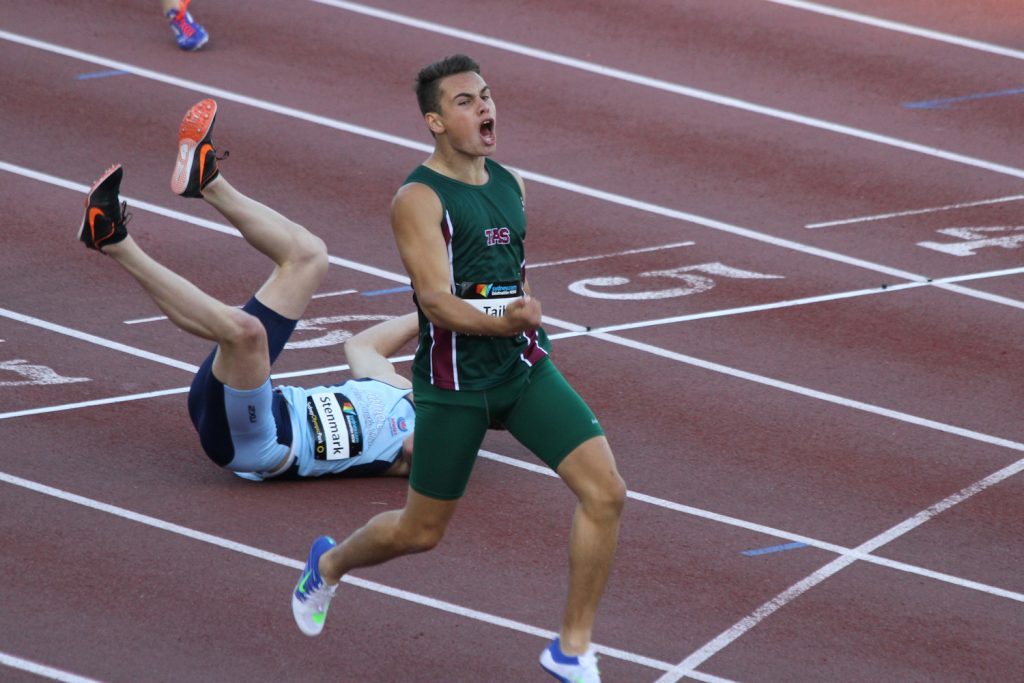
{"points": [[490, 297], [334, 426]]}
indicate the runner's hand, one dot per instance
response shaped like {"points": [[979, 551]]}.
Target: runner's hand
{"points": [[523, 314]]}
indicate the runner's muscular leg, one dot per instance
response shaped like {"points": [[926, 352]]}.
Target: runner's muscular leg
{"points": [[590, 472], [416, 528], [299, 255], [242, 360]]}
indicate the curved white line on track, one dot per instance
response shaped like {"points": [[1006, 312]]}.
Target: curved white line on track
{"points": [[741, 627]]}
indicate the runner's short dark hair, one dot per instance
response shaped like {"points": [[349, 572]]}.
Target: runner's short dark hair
{"points": [[428, 89]]}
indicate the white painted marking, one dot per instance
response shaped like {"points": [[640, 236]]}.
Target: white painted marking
{"points": [[778, 533], [139, 205], [330, 337], [658, 84], [578, 189], [741, 627], [695, 284], [606, 256], [298, 565], [787, 386], [908, 29], [978, 238], [788, 303], [89, 404], [342, 292], [151, 319], [157, 318], [43, 670], [651, 500], [35, 375], [914, 212], [99, 341]]}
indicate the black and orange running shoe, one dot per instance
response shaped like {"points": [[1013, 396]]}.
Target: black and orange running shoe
{"points": [[197, 159], [105, 215]]}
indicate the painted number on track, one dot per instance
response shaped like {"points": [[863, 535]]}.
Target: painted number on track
{"points": [[32, 375], [330, 337], [692, 283], [972, 239]]}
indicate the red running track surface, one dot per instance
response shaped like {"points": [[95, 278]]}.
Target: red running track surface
{"points": [[853, 387]]}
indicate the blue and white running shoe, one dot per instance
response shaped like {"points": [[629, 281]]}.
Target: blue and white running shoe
{"points": [[570, 669], [312, 595]]}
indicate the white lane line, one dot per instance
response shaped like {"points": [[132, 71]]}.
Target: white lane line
{"points": [[99, 341], [899, 27], [650, 500], [800, 390], [791, 303], [158, 318], [733, 633], [138, 204], [580, 331], [297, 565], [913, 212], [627, 252], [571, 187], [614, 339], [885, 412], [667, 86], [38, 669], [642, 497], [781, 534]]}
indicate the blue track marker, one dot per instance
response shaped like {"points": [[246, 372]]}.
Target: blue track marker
{"points": [[946, 104], [394, 290], [100, 74], [774, 549]]}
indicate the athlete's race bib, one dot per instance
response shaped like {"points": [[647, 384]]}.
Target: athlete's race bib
{"points": [[334, 425], [490, 297]]}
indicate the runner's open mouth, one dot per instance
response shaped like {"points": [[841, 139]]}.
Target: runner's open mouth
{"points": [[487, 129]]}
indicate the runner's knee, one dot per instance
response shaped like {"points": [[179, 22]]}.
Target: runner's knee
{"points": [[606, 498], [243, 331], [419, 537], [309, 252]]}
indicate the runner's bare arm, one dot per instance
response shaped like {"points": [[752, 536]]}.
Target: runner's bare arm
{"points": [[368, 352], [415, 216]]}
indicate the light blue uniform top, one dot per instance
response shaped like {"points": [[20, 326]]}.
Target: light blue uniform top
{"points": [[338, 427]]}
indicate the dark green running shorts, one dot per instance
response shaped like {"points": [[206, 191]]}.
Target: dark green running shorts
{"points": [[538, 408]]}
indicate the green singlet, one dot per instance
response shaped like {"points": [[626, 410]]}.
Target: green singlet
{"points": [[484, 227], [465, 384]]}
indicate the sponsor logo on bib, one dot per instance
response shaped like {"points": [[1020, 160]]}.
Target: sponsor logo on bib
{"points": [[334, 425]]}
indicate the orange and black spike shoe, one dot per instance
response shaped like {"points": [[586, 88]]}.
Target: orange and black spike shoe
{"points": [[105, 214], [196, 164]]}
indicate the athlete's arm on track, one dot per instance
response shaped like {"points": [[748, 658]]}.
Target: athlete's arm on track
{"points": [[416, 215], [368, 352]]}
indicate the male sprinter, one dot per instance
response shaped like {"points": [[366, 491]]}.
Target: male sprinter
{"points": [[482, 359], [359, 428]]}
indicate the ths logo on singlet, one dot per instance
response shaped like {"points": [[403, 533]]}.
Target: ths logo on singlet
{"points": [[497, 236], [334, 426]]}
